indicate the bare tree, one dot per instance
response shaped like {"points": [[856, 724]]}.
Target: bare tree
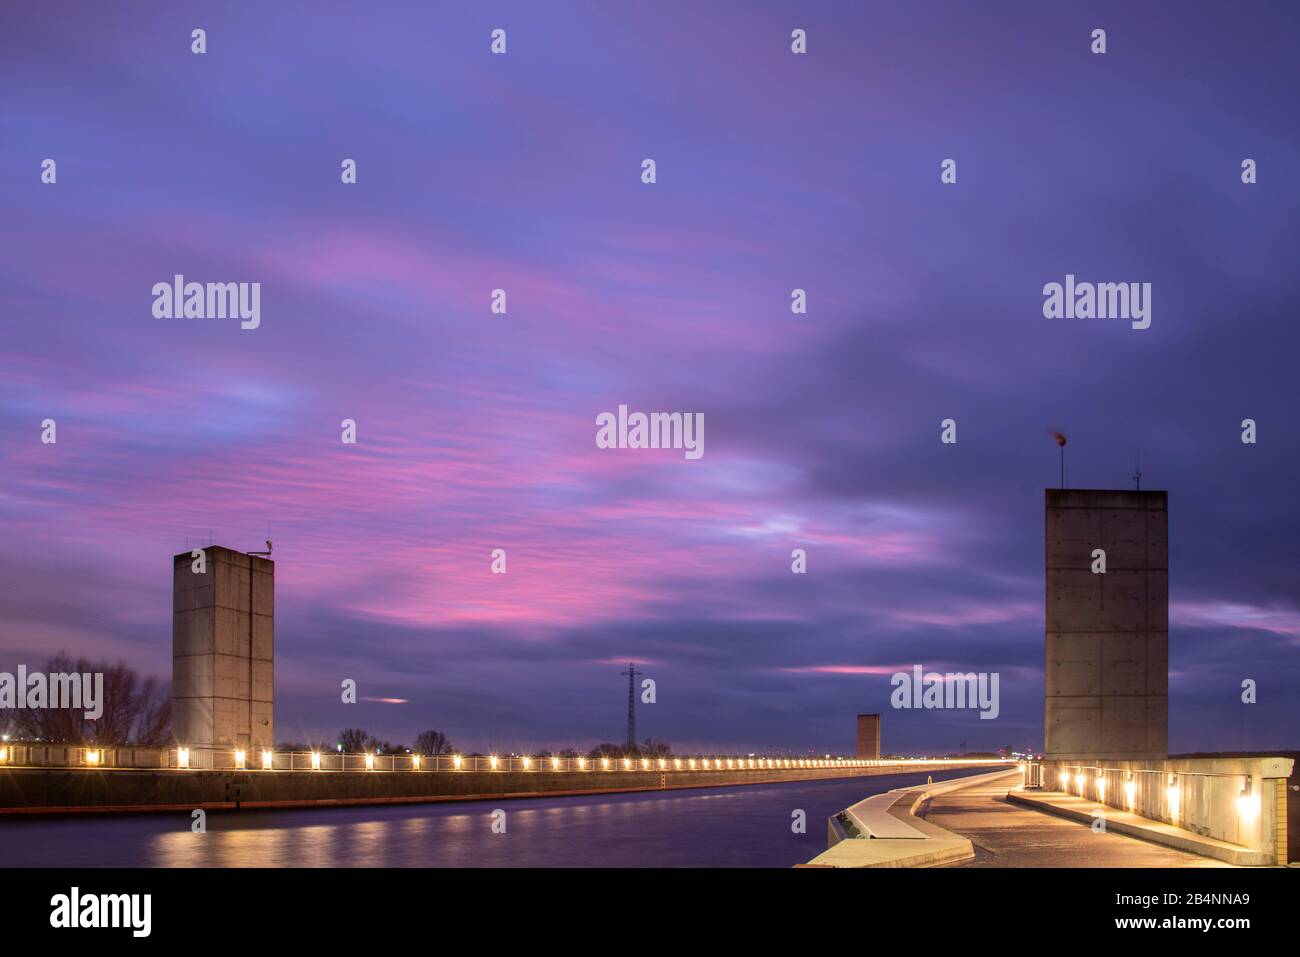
{"points": [[134, 712], [433, 743], [355, 740], [153, 727]]}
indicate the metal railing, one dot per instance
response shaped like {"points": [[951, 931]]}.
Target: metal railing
{"points": [[257, 759]]}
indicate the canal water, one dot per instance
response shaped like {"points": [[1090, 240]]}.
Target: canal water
{"points": [[717, 827]]}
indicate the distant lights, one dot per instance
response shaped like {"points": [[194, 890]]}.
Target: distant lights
{"points": [[582, 764], [627, 764], [492, 762], [370, 761], [1130, 793], [239, 760], [93, 756], [4, 755], [604, 763], [663, 764], [555, 763], [182, 757], [528, 763], [1064, 778], [415, 762], [315, 760], [1078, 782], [1101, 787], [268, 760], [1172, 795], [456, 762]]}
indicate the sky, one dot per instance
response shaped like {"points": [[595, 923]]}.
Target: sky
{"points": [[475, 431]]}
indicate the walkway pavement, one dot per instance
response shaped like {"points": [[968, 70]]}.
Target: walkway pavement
{"points": [[1007, 835]]}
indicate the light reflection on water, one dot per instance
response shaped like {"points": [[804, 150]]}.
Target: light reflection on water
{"points": [[726, 827]]}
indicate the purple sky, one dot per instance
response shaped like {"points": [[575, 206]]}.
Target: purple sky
{"points": [[476, 431]]}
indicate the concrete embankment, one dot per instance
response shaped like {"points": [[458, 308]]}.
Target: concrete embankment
{"points": [[855, 834], [80, 790]]}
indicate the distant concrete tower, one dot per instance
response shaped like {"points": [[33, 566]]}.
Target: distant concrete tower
{"points": [[1106, 680], [869, 736], [223, 650]]}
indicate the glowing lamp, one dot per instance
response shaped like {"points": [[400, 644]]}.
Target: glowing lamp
{"points": [[456, 762], [182, 757], [315, 760], [239, 760], [415, 762], [1247, 804], [370, 761], [268, 760], [492, 762]]}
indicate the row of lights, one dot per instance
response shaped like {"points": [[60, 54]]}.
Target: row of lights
{"points": [[1247, 801], [94, 757], [678, 764]]}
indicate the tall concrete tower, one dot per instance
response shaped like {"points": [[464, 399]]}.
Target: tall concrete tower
{"points": [[223, 649], [1107, 636], [869, 736]]}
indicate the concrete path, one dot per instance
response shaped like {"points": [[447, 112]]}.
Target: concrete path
{"points": [[1008, 835]]}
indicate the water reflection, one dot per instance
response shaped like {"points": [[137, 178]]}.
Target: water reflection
{"points": [[727, 827]]}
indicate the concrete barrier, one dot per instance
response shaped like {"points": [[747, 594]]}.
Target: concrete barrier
{"points": [[850, 843], [76, 790], [1235, 801]]}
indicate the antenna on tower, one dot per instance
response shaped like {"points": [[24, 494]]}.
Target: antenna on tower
{"points": [[1137, 475], [631, 703], [1060, 440]]}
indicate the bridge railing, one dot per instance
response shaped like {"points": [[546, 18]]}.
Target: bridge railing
{"points": [[258, 759]]}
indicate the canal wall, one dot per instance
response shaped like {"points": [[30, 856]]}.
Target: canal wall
{"points": [[81, 790], [1240, 800]]}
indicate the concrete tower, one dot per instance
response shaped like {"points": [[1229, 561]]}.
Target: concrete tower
{"points": [[1107, 635], [223, 650], [869, 736]]}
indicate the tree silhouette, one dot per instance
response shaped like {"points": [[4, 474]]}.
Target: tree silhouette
{"points": [[432, 743]]}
